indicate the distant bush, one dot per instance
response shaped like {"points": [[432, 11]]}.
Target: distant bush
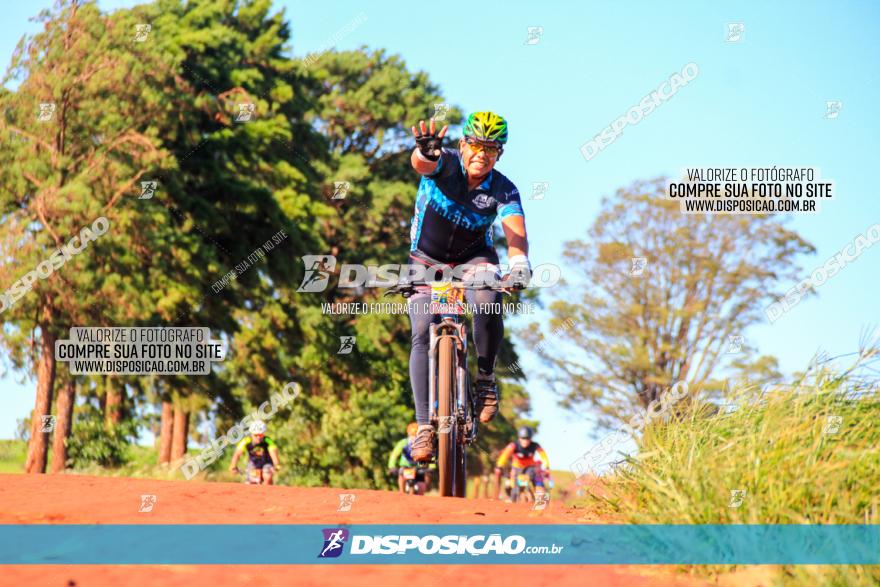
{"points": [[90, 443]]}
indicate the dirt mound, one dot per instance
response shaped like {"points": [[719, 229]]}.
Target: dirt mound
{"points": [[75, 499]]}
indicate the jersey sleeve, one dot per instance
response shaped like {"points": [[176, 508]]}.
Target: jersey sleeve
{"points": [[448, 176], [543, 456], [505, 455], [269, 442], [509, 202], [243, 444], [445, 165], [394, 459]]}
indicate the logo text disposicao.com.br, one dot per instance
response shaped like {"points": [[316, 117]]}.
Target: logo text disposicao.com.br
{"points": [[477, 545]]}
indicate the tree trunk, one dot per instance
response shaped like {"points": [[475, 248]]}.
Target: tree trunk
{"points": [[38, 446], [63, 425], [179, 433], [165, 433], [113, 404]]}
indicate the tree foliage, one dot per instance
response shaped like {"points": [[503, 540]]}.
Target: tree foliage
{"points": [[168, 108], [631, 336]]}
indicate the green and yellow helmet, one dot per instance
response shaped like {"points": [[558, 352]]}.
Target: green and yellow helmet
{"points": [[486, 126]]}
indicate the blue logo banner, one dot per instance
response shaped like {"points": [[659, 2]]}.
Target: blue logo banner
{"points": [[441, 544]]}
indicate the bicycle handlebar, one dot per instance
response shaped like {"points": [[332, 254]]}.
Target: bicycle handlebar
{"points": [[408, 288]]}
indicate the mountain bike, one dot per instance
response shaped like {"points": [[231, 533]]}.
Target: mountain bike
{"points": [[414, 480], [523, 490], [252, 476], [451, 401]]}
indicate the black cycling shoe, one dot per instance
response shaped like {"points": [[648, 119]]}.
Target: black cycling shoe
{"points": [[487, 399], [423, 445]]}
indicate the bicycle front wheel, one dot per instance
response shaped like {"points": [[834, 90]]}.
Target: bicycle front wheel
{"points": [[460, 485], [446, 457]]}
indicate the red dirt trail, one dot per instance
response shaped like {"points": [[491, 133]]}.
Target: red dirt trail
{"points": [[79, 499]]}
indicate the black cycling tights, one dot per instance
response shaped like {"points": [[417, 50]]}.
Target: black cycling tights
{"points": [[487, 334]]}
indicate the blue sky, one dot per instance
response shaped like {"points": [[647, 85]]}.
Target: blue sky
{"points": [[758, 102]]}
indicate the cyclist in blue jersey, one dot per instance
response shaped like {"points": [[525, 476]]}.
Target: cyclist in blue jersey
{"points": [[460, 196]]}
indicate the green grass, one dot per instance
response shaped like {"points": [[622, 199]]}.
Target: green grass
{"points": [[140, 462], [776, 448], [12, 456]]}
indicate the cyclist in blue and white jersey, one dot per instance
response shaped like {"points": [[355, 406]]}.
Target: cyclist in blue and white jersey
{"points": [[460, 196]]}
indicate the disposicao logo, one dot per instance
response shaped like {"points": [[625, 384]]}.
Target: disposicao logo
{"points": [[334, 540]]}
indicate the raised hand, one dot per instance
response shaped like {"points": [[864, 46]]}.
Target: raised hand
{"points": [[428, 140]]}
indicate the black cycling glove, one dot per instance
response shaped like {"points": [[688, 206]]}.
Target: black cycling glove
{"points": [[430, 145]]}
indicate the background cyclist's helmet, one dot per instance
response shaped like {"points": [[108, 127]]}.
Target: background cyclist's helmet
{"points": [[486, 126], [525, 432], [258, 427], [412, 429]]}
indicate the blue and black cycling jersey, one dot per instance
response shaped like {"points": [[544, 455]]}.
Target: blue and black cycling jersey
{"points": [[453, 224]]}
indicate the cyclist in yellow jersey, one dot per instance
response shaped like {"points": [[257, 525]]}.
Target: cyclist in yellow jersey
{"points": [[262, 452]]}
